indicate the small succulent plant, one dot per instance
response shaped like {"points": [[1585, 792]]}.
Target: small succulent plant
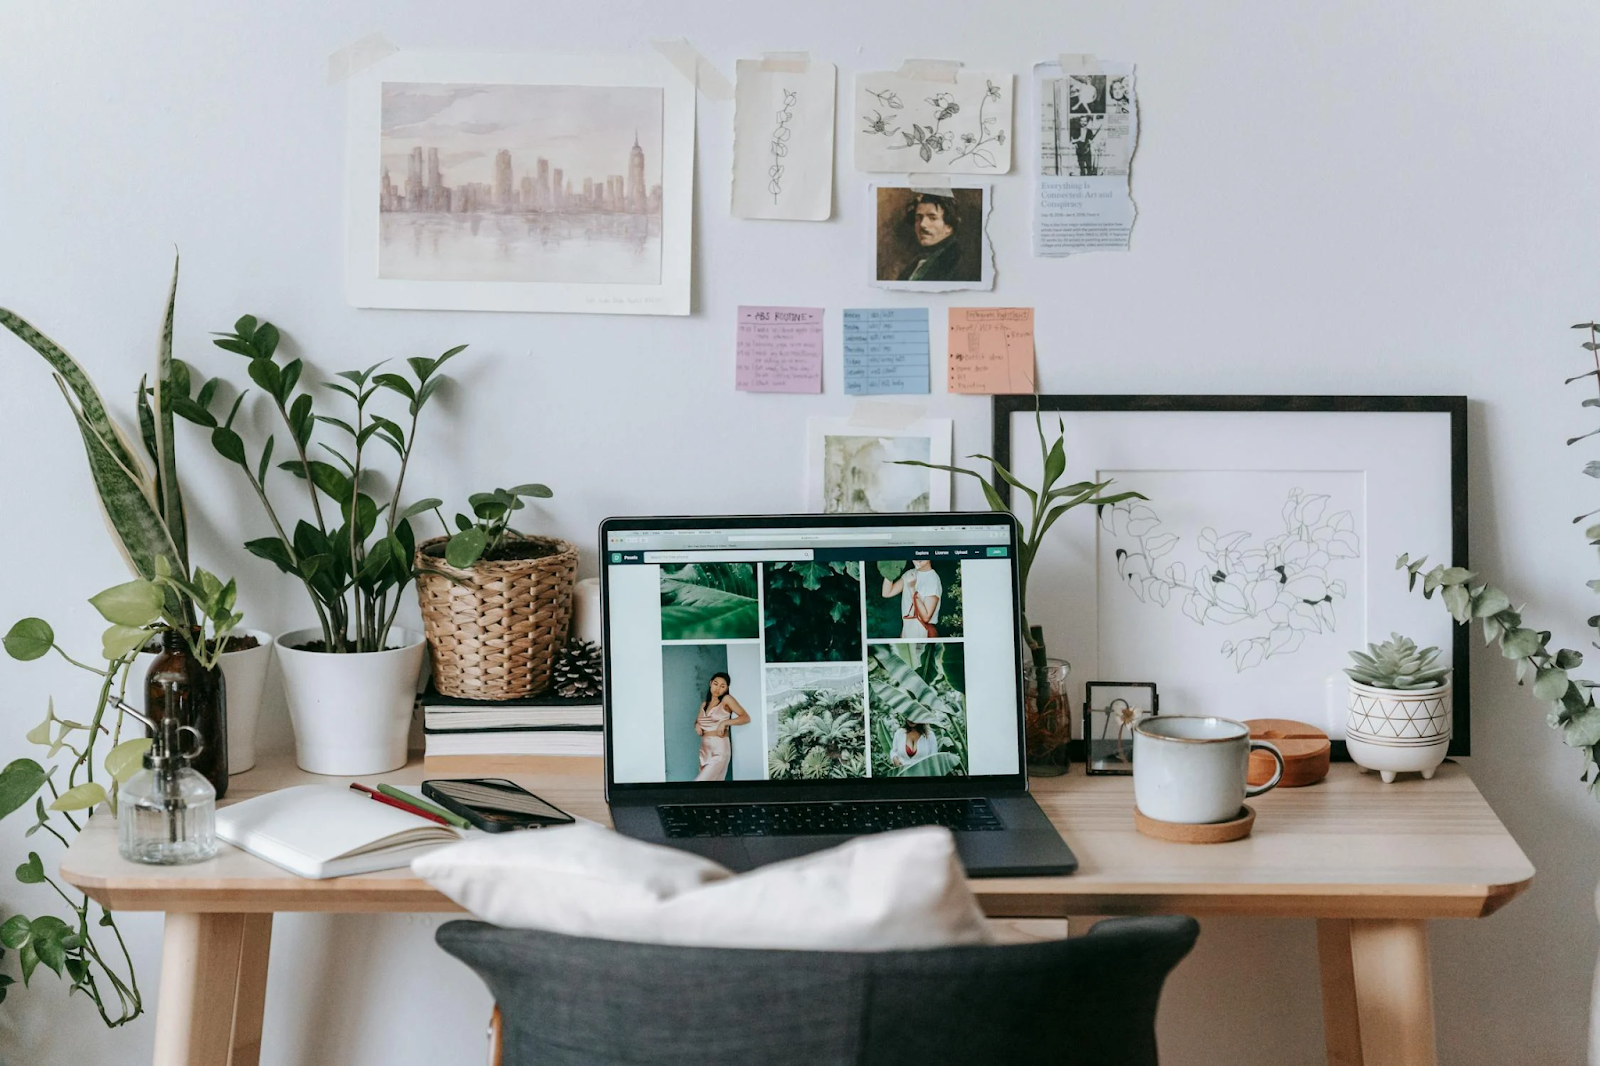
{"points": [[1397, 664]]}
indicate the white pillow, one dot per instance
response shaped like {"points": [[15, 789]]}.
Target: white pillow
{"points": [[876, 893]]}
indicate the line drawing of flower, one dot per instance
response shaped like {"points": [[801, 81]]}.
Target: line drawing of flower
{"points": [[1285, 586], [928, 137], [888, 98], [876, 123]]}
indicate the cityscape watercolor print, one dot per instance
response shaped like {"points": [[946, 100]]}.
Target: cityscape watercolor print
{"points": [[520, 183]]}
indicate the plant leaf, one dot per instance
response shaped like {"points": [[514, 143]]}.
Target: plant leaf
{"points": [[118, 641], [32, 871], [18, 782], [30, 638], [133, 603], [82, 797], [124, 760], [171, 381], [466, 548]]}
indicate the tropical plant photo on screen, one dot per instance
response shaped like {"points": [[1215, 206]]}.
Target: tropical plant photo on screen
{"points": [[919, 710], [813, 612], [818, 732], [888, 602], [709, 601]]}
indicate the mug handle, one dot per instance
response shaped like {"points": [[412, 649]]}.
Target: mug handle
{"points": [[1277, 757]]}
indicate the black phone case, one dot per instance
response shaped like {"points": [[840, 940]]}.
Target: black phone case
{"points": [[491, 825]]}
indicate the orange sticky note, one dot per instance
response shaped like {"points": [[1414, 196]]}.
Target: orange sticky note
{"points": [[991, 350]]}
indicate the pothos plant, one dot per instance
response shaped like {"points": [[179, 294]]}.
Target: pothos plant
{"points": [[355, 556], [142, 502]]}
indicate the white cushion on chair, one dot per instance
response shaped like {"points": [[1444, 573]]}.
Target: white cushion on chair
{"points": [[876, 893]]}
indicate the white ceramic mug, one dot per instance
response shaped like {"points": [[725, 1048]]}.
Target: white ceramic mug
{"points": [[1191, 769]]}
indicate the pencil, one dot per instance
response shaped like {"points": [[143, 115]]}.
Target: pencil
{"points": [[374, 794], [423, 805]]}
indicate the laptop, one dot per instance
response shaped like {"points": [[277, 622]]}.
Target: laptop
{"points": [[775, 685]]}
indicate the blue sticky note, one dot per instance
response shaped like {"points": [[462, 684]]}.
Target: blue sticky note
{"points": [[885, 350]]}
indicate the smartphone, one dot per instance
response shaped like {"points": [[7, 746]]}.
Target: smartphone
{"points": [[494, 804]]}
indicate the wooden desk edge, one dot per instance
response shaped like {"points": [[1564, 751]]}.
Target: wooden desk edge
{"points": [[406, 895]]}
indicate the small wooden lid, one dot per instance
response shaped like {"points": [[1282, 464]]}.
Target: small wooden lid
{"points": [[1206, 833], [1305, 749]]}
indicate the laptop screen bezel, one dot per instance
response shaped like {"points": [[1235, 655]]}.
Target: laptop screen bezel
{"points": [[804, 791]]}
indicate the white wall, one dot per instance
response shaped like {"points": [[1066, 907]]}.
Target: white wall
{"points": [[1357, 197]]}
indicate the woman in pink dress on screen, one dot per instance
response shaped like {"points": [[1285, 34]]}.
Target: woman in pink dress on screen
{"points": [[718, 714]]}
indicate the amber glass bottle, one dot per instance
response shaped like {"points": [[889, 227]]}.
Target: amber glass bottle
{"points": [[201, 698]]}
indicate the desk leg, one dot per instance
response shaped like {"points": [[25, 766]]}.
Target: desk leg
{"points": [[199, 978], [1377, 992], [250, 995]]}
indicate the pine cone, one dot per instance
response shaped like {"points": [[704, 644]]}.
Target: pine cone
{"points": [[578, 672]]}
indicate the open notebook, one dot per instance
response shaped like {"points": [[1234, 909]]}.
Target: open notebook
{"points": [[328, 831]]}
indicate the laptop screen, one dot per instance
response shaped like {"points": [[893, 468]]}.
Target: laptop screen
{"points": [[821, 650]]}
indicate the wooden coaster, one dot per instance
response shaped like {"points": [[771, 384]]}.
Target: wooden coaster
{"points": [[1305, 750], [1208, 833]]}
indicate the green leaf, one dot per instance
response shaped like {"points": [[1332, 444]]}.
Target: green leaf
{"points": [[1568, 659], [466, 548], [1550, 684], [133, 603], [396, 383], [29, 639], [330, 480], [191, 411], [229, 445], [18, 782], [15, 931], [1458, 600], [264, 372], [1490, 601], [266, 459], [301, 422], [1519, 643], [533, 492], [265, 340], [124, 760], [84, 796], [419, 507], [32, 871], [119, 641], [274, 550]]}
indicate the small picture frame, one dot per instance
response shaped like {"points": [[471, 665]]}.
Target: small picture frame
{"points": [[1110, 711]]}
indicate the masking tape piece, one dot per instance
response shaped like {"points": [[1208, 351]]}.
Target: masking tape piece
{"points": [[1079, 63], [880, 414], [696, 67], [786, 62], [355, 58], [937, 184], [930, 70]]}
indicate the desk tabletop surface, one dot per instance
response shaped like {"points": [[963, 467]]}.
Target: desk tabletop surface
{"points": [[1349, 847]]}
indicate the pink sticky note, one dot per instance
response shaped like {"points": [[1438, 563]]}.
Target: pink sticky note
{"points": [[780, 349], [991, 350]]}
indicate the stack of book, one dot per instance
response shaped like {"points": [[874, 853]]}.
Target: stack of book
{"points": [[537, 725]]}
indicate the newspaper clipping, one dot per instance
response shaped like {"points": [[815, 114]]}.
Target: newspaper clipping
{"points": [[1088, 129]]}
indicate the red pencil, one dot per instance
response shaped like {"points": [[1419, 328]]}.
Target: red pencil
{"points": [[373, 793]]}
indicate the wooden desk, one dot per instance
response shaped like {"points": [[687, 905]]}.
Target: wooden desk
{"points": [[1371, 862]]}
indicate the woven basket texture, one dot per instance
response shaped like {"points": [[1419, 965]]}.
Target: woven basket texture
{"points": [[496, 629]]}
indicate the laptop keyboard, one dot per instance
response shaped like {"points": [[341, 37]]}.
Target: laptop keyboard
{"points": [[808, 819]]}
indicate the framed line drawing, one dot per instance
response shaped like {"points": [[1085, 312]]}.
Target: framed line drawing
{"points": [[505, 182], [1265, 552]]}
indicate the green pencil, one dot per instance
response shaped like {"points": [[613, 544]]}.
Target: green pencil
{"points": [[421, 804]]}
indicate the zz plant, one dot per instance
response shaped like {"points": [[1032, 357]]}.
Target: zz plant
{"points": [[356, 555]]}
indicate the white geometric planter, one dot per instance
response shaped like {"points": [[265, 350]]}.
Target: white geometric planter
{"points": [[351, 713], [1398, 732]]}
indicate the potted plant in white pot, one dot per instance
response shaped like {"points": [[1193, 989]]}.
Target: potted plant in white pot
{"points": [[496, 603], [350, 680], [1399, 708], [1047, 704]]}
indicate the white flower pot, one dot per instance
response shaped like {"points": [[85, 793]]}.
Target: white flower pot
{"points": [[1398, 732], [244, 676], [351, 713]]}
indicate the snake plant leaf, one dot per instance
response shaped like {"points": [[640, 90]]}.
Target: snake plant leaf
{"points": [[128, 509], [171, 381]]}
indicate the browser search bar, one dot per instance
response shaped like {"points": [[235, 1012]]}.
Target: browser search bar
{"points": [[776, 555], [757, 538]]}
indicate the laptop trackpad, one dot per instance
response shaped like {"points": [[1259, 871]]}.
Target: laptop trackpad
{"points": [[775, 849], [729, 851]]}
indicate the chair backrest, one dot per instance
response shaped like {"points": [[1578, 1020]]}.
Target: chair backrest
{"points": [[570, 1001]]}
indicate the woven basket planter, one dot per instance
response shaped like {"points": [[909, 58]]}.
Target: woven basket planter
{"points": [[495, 630]]}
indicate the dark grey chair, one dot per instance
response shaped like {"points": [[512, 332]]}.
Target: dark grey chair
{"points": [[570, 1001]]}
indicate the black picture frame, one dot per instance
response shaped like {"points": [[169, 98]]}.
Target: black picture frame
{"points": [[1004, 406], [1088, 711]]}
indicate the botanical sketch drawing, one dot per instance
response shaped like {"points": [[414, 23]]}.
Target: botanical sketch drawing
{"points": [[934, 139], [1279, 591], [780, 143]]}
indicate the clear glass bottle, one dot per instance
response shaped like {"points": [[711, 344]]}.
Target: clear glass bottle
{"points": [[167, 812]]}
